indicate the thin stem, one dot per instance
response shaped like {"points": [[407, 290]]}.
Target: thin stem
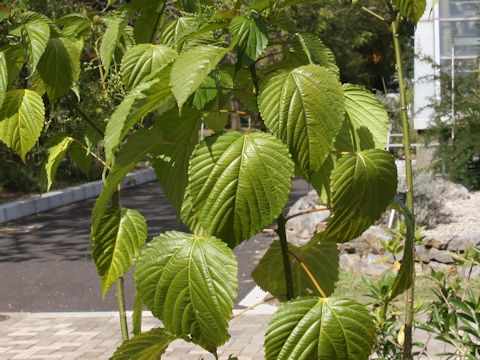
{"points": [[227, 111], [306, 212], [251, 307], [373, 13], [87, 119], [100, 160], [310, 275], [286, 260], [158, 20], [410, 293], [100, 67], [121, 308]]}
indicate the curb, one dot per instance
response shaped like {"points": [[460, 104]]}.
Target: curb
{"points": [[54, 199]]}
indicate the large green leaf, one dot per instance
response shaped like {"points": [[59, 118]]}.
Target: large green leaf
{"points": [[317, 52], [362, 185], [58, 147], [251, 35], [320, 180], [367, 117], [191, 68], [149, 345], [142, 61], [14, 57], [145, 98], [189, 282], [111, 38], [116, 244], [136, 148], [321, 329], [178, 29], [21, 120], [74, 25], [320, 259], [181, 134], [305, 109], [59, 66], [3, 77], [239, 183], [34, 35], [411, 9]]}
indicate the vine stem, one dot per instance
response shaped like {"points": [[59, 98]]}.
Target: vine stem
{"points": [[410, 293], [306, 212], [251, 307], [286, 260], [121, 308]]}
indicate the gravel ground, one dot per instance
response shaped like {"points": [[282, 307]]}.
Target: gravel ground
{"points": [[463, 221]]}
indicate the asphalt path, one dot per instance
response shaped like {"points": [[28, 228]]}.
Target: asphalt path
{"points": [[45, 262]]}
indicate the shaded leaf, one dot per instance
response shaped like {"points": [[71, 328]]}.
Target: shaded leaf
{"points": [[21, 120], [320, 259], [239, 183], [111, 38], [56, 153], [136, 148], [181, 134], [149, 345], [142, 61], [74, 25], [320, 328], [317, 52], [145, 98], [367, 117], [189, 282], [116, 244], [59, 66], [305, 109], [191, 68], [34, 35], [411, 9], [356, 200], [251, 35]]}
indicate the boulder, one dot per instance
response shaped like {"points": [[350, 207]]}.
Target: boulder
{"points": [[302, 228], [441, 256], [436, 243], [463, 242], [452, 191]]}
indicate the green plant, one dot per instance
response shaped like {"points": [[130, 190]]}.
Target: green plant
{"points": [[180, 68], [455, 319]]}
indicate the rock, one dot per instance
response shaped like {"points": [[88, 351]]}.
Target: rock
{"points": [[439, 267], [302, 228], [452, 191], [423, 254], [440, 244], [357, 246], [375, 265], [465, 271], [374, 237], [463, 242], [441, 256], [349, 261]]}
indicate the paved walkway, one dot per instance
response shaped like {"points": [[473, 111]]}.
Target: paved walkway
{"points": [[95, 336]]}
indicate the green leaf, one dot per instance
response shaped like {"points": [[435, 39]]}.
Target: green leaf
{"points": [[362, 185], [81, 157], [404, 279], [136, 148], [3, 77], [251, 35], [177, 29], [320, 328], [56, 153], [317, 52], [143, 61], [305, 109], [74, 25], [149, 345], [188, 215], [59, 66], [181, 134], [411, 9], [111, 38], [189, 282], [14, 58], [34, 35], [137, 314], [320, 180], [367, 117], [239, 183], [145, 98], [191, 68], [320, 259], [21, 120], [116, 244]]}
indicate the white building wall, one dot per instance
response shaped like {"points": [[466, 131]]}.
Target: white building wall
{"points": [[427, 53]]}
